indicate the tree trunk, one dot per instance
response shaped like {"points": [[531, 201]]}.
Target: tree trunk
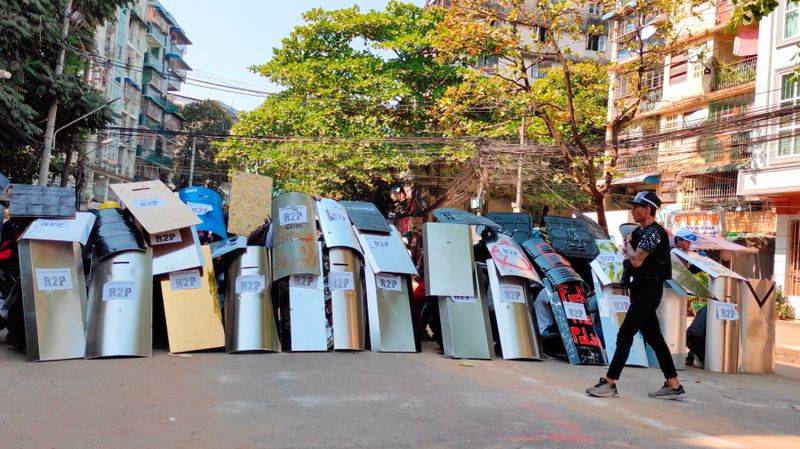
{"points": [[599, 202]]}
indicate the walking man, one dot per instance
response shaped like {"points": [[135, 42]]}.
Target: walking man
{"points": [[648, 260]]}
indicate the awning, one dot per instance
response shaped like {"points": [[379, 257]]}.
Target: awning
{"points": [[734, 166], [615, 13], [644, 178]]}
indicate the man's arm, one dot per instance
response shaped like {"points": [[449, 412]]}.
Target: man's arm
{"points": [[635, 256]]}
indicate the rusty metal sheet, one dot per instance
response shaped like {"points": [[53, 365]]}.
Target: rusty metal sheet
{"points": [[155, 206], [53, 299], [335, 224], [386, 253], [294, 240], [250, 203], [191, 308], [119, 321], [510, 259], [389, 312], [448, 260], [512, 311], [249, 319], [347, 300]]}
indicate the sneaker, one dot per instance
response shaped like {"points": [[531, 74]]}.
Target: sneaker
{"points": [[603, 389], [667, 392]]}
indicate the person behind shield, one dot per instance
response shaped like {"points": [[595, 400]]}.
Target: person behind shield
{"points": [[647, 259]]}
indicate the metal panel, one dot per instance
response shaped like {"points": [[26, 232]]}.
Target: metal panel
{"points": [[448, 260], [335, 225], [41, 201], [571, 237], [686, 280], [53, 299], [294, 243], [307, 312], [177, 256], [609, 299], [191, 308], [389, 311], [386, 253], [465, 324], [249, 318], [75, 229], [672, 318], [366, 216], [512, 310], [758, 326], [722, 336], [580, 339], [121, 327], [458, 216], [347, 298], [510, 260]]}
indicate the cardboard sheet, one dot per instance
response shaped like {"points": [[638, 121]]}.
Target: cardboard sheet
{"points": [[182, 254], [62, 230], [155, 206]]}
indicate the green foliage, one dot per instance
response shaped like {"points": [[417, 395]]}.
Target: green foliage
{"points": [[353, 81], [751, 11], [206, 117], [29, 46]]}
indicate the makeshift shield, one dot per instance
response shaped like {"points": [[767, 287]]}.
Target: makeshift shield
{"points": [[465, 322], [347, 298], [389, 311], [512, 310], [307, 311], [294, 242]]}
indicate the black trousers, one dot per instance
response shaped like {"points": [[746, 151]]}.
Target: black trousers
{"points": [[645, 298]]}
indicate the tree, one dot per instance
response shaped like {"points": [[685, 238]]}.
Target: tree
{"points": [[207, 117], [29, 46], [565, 111], [355, 108]]}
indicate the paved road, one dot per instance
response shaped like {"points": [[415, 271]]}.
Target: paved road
{"points": [[366, 400]]}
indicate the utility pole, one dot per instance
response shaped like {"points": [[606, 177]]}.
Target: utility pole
{"points": [[191, 164], [49, 132], [518, 201]]}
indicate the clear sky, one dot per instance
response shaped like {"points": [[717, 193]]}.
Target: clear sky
{"points": [[228, 37]]}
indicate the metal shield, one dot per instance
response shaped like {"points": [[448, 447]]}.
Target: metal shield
{"points": [[458, 216], [386, 253], [512, 310], [758, 326], [510, 260], [53, 299], [366, 216], [612, 305], [389, 311], [294, 242], [191, 308], [307, 311], [347, 298], [672, 319], [448, 260], [335, 224], [249, 318], [120, 322], [465, 323]]}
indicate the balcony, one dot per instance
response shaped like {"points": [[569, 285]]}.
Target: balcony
{"points": [[704, 191], [153, 63], [638, 160], [651, 99], [735, 74], [725, 148], [155, 37]]}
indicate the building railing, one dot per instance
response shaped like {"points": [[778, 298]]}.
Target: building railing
{"points": [[651, 99], [726, 148], [730, 75], [708, 190], [638, 160]]}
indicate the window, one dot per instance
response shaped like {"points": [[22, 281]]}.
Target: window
{"points": [[595, 42], [672, 123], [678, 66], [791, 19], [538, 71], [594, 8], [697, 69], [789, 124], [540, 34]]}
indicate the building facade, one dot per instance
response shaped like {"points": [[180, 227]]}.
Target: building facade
{"points": [[774, 173], [139, 60], [694, 129]]}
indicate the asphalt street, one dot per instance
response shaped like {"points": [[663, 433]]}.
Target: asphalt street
{"points": [[370, 400]]}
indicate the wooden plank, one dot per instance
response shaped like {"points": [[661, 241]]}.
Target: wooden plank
{"points": [[251, 202]]}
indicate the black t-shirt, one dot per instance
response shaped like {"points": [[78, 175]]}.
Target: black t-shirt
{"points": [[655, 240]]}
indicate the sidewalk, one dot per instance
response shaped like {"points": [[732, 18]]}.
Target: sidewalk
{"points": [[787, 348]]}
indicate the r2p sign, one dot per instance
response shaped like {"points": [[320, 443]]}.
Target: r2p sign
{"points": [[49, 279], [120, 290], [166, 238]]}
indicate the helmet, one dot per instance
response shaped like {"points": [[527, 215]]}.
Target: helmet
{"points": [[109, 205]]}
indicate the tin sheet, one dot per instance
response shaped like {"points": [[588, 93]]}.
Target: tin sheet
{"points": [[335, 224], [249, 319], [457, 216], [512, 310], [386, 253], [672, 319], [307, 311], [713, 268], [510, 260], [120, 322], [182, 254], [612, 304], [366, 216], [448, 260], [250, 203], [578, 333], [465, 324], [389, 311], [758, 326], [191, 308], [686, 279], [62, 230], [155, 206], [347, 300], [294, 242], [41, 201], [53, 299]]}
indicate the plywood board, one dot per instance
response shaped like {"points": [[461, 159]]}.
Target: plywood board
{"points": [[251, 202], [155, 206]]}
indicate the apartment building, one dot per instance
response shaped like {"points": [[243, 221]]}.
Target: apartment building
{"points": [[774, 173], [692, 133], [139, 60]]}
